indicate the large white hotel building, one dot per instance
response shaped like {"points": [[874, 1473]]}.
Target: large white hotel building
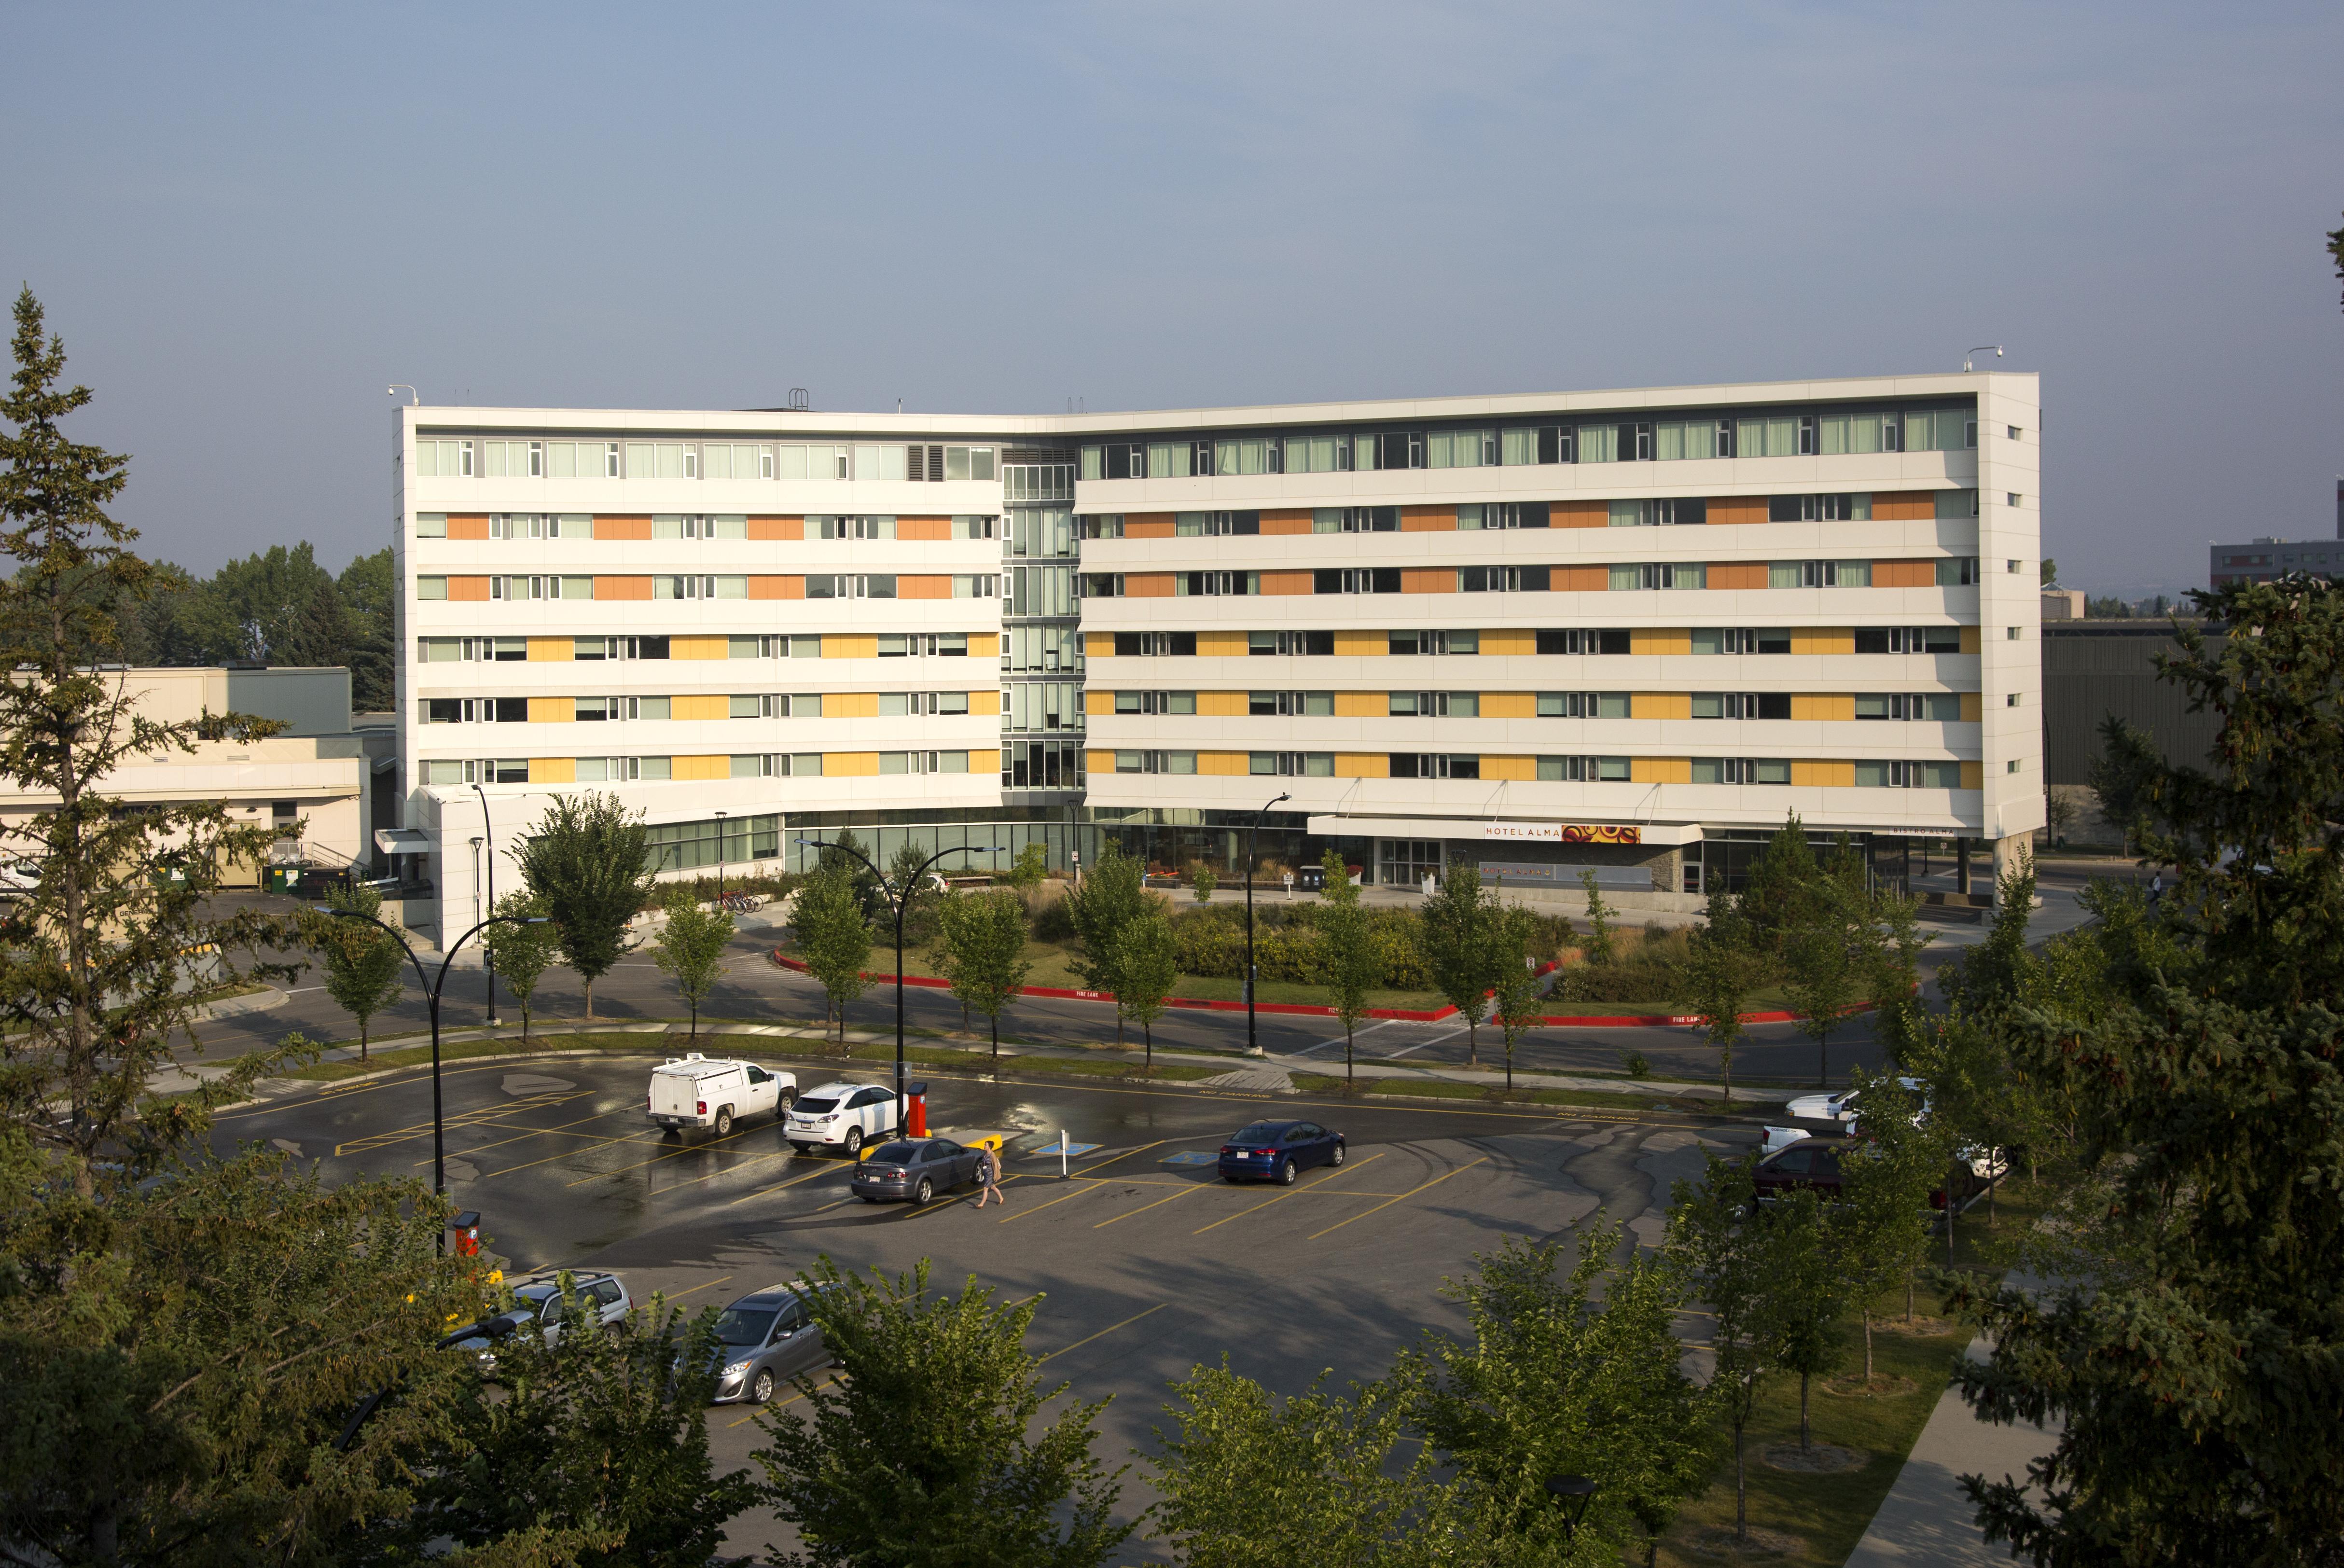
{"points": [[1631, 629]]}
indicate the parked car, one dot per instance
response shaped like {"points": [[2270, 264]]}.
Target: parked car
{"points": [[538, 1309], [1841, 1106], [1814, 1163], [840, 1116], [764, 1339], [1279, 1151], [712, 1092], [913, 1170]]}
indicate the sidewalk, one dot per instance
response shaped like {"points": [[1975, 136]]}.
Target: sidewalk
{"points": [[1926, 1517]]}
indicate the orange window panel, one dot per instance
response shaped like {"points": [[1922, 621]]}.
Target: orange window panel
{"points": [[1286, 583], [1363, 705], [468, 527], [1822, 640], [1221, 645], [701, 706], [543, 649], [1661, 640], [928, 528], [1100, 762], [1222, 704], [984, 644], [1428, 580], [1147, 585], [850, 706], [1148, 525], [1972, 707], [614, 588], [699, 648], [1362, 645], [1737, 508], [925, 587], [1428, 520], [1097, 644], [777, 528], [987, 761], [1515, 643], [1096, 702], [1737, 574], [1579, 514], [1904, 574], [1904, 506], [1969, 634], [1284, 519], [777, 588], [987, 701], [1581, 578], [477, 588], [622, 527], [850, 645], [1824, 707]]}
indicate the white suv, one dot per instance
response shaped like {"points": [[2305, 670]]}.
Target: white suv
{"points": [[840, 1116], [695, 1091]]}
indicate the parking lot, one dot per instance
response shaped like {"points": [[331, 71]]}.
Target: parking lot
{"points": [[1145, 1261]]}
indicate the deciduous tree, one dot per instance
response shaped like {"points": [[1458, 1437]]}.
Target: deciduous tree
{"points": [[1454, 935], [587, 860], [1516, 1000], [1148, 966], [1112, 895], [828, 921], [1715, 984], [981, 951], [523, 950], [1727, 1262], [364, 964], [1348, 949], [690, 949]]}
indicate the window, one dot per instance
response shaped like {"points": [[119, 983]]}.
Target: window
{"points": [[430, 525], [1730, 705], [728, 460], [1284, 645], [1387, 450], [1433, 643], [1317, 454], [512, 460], [1854, 434], [1908, 640], [2011, 766], [2011, 432], [1291, 704], [1103, 526], [1503, 579], [1462, 448], [1502, 514], [430, 588], [1741, 771], [1155, 762], [1434, 765], [655, 460], [1357, 580], [1889, 775], [748, 706], [1292, 764], [1355, 520], [1939, 429], [1039, 481], [1156, 703], [1731, 640], [842, 527], [1958, 572], [1432, 704], [2010, 634], [974, 527], [1819, 574], [665, 587], [1582, 770], [920, 644], [1195, 524], [1579, 704], [2010, 700], [443, 458], [582, 459], [1774, 436], [976, 586], [1585, 640], [2012, 498], [924, 761], [1531, 444], [1819, 508], [1679, 438], [1659, 574]]}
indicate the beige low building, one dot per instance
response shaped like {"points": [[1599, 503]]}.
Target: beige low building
{"points": [[313, 780]]}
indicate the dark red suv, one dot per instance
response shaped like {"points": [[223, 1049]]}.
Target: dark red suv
{"points": [[1811, 1162]]}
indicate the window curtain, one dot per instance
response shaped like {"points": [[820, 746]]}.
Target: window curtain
{"points": [[1599, 444], [1850, 574], [1630, 513], [1783, 574], [1768, 437], [1626, 577], [1681, 438], [1518, 446]]}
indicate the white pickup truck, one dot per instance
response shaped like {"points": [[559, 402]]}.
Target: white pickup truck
{"points": [[700, 1091]]}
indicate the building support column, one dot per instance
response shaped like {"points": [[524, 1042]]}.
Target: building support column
{"points": [[1962, 866]]}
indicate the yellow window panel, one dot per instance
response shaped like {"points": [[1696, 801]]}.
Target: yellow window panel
{"points": [[1660, 704], [552, 648], [1823, 639], [552, 710], [1824, 707], [1221, 645], [1972, 707], [1361, 645], [1505, 706], [553, 770], [1222, 762], [987, 760], [986, 702], [699, 648], [1661, 640], [1224, 704], [987, 644], [1100, 762], [846, 764], [1509, 767], [1660, 770], [1510, 642], [1097, 701], [1969, 639], [1362, 766], [703, 767], [1363, 705], [846, 704], [1823, 773], [850, 647], [698, 707], [1097, 644]]}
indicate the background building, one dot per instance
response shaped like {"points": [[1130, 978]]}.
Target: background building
{"points": [[1521, 634]]}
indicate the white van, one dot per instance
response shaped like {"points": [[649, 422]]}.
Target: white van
{"points": [[698, 1091]]}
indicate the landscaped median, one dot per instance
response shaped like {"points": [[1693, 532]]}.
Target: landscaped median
{"points": [[1316, 1010]]}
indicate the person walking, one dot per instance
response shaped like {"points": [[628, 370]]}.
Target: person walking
{"points": [[988, 1178]]}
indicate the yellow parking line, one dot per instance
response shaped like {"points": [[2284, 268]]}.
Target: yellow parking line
{"points": [[567, 1153], [654, 1160], [1144, 1208], [961, 1196], [1410, 1193], [526, 1133], [703, 1285], [1292, 1192], [1094, 1184], [792, 1181], [1103, 1333]]}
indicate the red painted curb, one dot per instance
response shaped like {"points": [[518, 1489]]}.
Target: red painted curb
{"points": [[1310, 1010]]}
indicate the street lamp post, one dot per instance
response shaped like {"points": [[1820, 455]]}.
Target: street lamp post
{"points": [[432, 988], [902, 900], [1572, 1495], [719, 860], [1252, 974], [488, 959]]}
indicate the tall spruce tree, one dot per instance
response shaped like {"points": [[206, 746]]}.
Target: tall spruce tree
{"points": [[2196, 1372]]}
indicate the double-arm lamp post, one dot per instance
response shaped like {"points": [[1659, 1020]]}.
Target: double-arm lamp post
{"points": [[432, 988], [901, 899]]}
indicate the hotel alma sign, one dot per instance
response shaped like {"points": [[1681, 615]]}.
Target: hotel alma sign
{"points": [[1560, 833]]}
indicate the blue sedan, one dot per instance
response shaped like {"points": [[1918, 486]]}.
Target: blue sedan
{"points": [[1279, 1151]]}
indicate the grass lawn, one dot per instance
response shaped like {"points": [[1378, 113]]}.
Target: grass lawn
{"points": [[715, 1042], [1442, 1088], [1828, 1514]]}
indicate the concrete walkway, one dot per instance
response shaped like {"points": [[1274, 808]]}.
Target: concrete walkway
{"points": [[1926, 1517]]}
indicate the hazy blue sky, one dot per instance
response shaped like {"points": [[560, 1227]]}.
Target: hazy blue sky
{"points": [[246, 221]]}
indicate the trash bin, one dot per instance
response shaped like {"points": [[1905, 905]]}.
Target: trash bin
{"points": [[282, 878], [1314, 879], [916, 1109], [467, 1227]]}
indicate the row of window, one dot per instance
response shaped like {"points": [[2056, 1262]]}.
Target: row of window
{"points": [[1943, 706], [1867, 775], [1953, 572], [1593, 441], [642, 769], [1664, 512], [818, 585], [538, 526], [736, 705], [475, 457], [514, 649], [1548, 641]]}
